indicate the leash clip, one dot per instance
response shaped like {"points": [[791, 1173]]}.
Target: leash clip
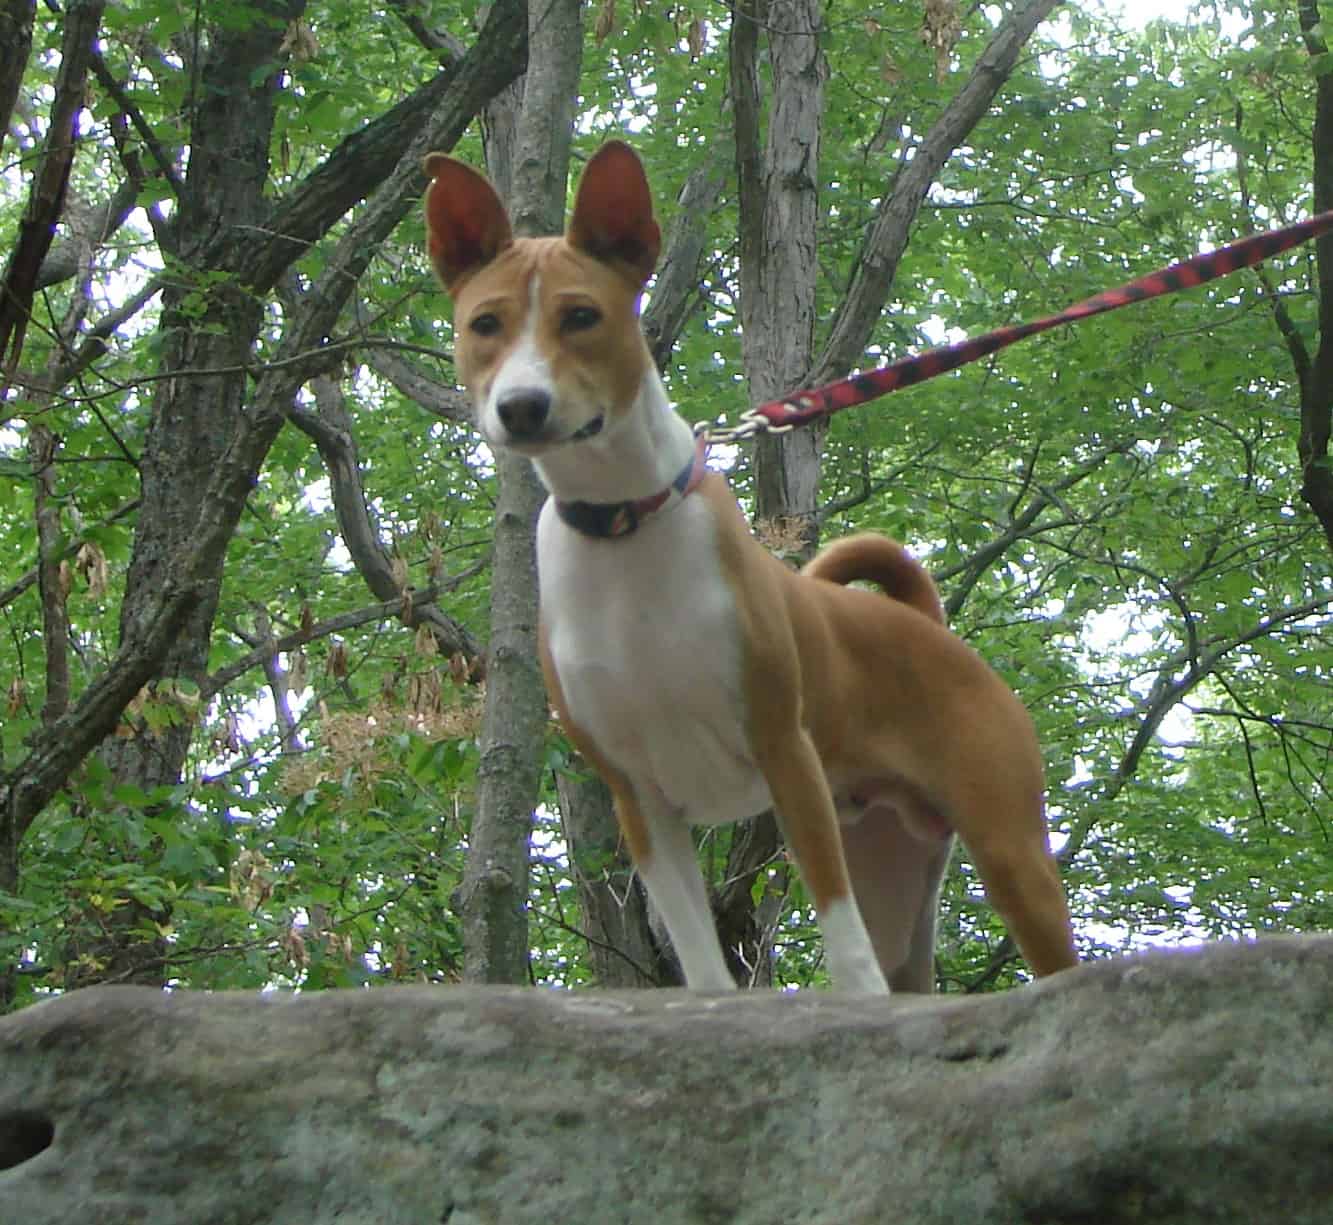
{"points": [[751, 424]]}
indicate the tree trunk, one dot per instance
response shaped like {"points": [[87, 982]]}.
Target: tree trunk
{"points": [[205, 325], [777, 167], [9, 883], [494, 892], [778, 173], [886, 237]]}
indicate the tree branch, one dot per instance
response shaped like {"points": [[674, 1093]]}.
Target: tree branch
{"points": [[415, 15], [675, 293], [872, 489], [60, 746], [888, 235], [29, 577], [1019, 528], [1166, 692], [435, 397], [432, 117], [1300, 355], [91, 227], [42, 447], [165, 165], [16, 21], [46, 198], [1317, 389], [331, 430], [416, 599], [276, 676]]}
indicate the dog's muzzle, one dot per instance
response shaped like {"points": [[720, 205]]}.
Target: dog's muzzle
{"points": [[525, 415]]}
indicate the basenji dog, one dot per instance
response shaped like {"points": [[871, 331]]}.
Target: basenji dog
{"points": [[704, 679]]}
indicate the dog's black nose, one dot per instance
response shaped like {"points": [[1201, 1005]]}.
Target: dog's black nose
{"points": [[523, 413]]}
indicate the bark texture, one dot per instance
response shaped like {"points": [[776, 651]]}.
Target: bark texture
{"points": [[778, 132], [330, 428], [16, 18], [1315, 375], [46, 195], [531, 173], [493, 897], [777, 166], [777, 162], [1188, 1088], [886, 238]]}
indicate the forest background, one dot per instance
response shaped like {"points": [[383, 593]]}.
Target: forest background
{"points": [[271, 715]]}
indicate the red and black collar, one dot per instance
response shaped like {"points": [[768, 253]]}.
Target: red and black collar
{"points": [[606, 520]]}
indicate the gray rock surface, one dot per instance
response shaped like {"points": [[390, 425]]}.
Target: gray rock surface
{"points": [[1181, 1088]]}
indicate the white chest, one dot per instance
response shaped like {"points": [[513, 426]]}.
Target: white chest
{"points": [[642, 631]]}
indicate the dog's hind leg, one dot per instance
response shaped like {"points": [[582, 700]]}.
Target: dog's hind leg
{"points": [[993, 800], [1023, 884], [809, 822], [896, 877]]}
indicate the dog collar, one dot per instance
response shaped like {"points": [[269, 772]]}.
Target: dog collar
{"points": [[606, 520]]}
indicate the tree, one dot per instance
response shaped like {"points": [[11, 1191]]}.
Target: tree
{"points": [[531, 173]]}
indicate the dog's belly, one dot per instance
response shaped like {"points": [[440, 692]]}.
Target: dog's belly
{"points": [[644, 639]]}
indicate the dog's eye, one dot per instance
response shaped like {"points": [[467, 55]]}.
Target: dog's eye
{"points": [[485, 325], [580, 319]]}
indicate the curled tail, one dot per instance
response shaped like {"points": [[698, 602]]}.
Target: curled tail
{"points": [[871, 558]]}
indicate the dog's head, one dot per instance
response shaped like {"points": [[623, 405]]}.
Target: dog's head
{"points": [[546, 330]]}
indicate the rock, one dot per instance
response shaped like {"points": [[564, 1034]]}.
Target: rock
{"points": [[1175, 1087]]}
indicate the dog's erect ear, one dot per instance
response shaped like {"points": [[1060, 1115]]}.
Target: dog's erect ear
{"points": [[613, 210], [466, 225]]}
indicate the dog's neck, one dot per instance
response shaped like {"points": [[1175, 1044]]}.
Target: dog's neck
{"points": [[637, 455]]}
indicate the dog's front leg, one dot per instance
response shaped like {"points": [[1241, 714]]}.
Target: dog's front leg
{"points": [[810, 824], [664, 856]]}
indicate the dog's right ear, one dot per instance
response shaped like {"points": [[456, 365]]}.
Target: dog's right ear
{"points": [[613, 210], [466, 225]]}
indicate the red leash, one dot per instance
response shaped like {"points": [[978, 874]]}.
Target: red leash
{"points": [[777, 416]]}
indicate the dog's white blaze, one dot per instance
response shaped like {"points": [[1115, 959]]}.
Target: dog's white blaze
{"points": [[524, 367], [851, 956]]}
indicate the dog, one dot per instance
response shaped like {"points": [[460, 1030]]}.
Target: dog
{"points": [[704, 679]]}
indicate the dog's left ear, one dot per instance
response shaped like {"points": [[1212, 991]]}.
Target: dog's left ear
{"points": [[613, 211], [466, 224]]}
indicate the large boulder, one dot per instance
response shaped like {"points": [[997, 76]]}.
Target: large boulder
{"points": [[1177, 1088]]}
